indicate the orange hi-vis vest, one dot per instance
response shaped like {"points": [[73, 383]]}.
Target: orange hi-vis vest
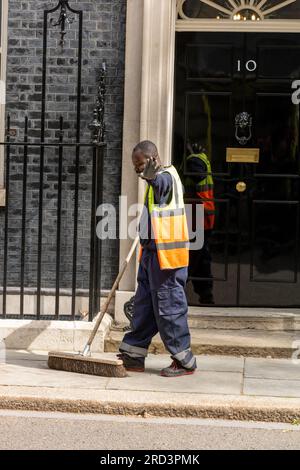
{"points": [[169, 226], [205, 192]]}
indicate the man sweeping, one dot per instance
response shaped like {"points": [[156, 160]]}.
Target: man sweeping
{"points": [[160, 303]]}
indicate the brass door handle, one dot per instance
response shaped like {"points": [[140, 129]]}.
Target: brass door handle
{"points": [[241, 186]]}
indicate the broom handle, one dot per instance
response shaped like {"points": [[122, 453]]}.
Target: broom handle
{"points": [[111, 294]]}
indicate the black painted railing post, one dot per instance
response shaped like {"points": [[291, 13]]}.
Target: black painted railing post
{"points": [[7, 181], [97, 128]]}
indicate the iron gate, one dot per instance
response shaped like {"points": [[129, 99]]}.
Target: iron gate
{"points": [[69, 172]]}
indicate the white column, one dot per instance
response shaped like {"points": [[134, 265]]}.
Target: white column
{"points": [[158, 74], [148, 107]]}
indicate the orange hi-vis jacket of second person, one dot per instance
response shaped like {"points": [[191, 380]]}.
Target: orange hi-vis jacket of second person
{"points": [[169, 225]]}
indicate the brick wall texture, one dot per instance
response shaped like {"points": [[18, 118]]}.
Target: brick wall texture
{"points": [[103, 40]]}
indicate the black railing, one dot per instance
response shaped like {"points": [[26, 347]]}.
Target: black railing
{"points": [[37, 259], [18, 284]]}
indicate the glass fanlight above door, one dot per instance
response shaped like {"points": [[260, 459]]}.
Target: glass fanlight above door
{"points": [[238, 10]]}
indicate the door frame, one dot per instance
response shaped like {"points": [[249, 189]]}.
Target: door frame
{"points": [[189, 88], [211, 25]]}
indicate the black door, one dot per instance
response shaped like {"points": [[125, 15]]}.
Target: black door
{"points": [[254, 246]]}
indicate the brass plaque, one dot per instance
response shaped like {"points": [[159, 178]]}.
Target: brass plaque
{"points": [[240, 155]]}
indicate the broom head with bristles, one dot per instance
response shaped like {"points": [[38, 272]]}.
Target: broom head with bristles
{"points": [[86, 365]]}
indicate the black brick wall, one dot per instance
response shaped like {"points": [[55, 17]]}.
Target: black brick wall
{"points": [[103, 40]]}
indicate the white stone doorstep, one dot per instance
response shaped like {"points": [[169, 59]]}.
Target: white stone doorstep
{"points": [[46, 335]]}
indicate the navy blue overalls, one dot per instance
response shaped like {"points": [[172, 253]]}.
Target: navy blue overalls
{"points": [[160, 302]]}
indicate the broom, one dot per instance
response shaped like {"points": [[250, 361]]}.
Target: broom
{"points": [[82, 363]]}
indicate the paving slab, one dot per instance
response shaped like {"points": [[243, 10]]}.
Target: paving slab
{"points": [[275, 369], [228, 383], [272, 388], [35, 373], [12, 355]]}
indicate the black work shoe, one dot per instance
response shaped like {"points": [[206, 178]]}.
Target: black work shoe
{"points": [[133, 364], [176, 370]]}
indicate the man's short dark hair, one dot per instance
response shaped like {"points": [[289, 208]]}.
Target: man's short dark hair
{"points": [[147, 147]]}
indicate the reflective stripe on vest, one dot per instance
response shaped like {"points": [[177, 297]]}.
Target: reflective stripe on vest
{"points": [[170, 226], [205, 191]]}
